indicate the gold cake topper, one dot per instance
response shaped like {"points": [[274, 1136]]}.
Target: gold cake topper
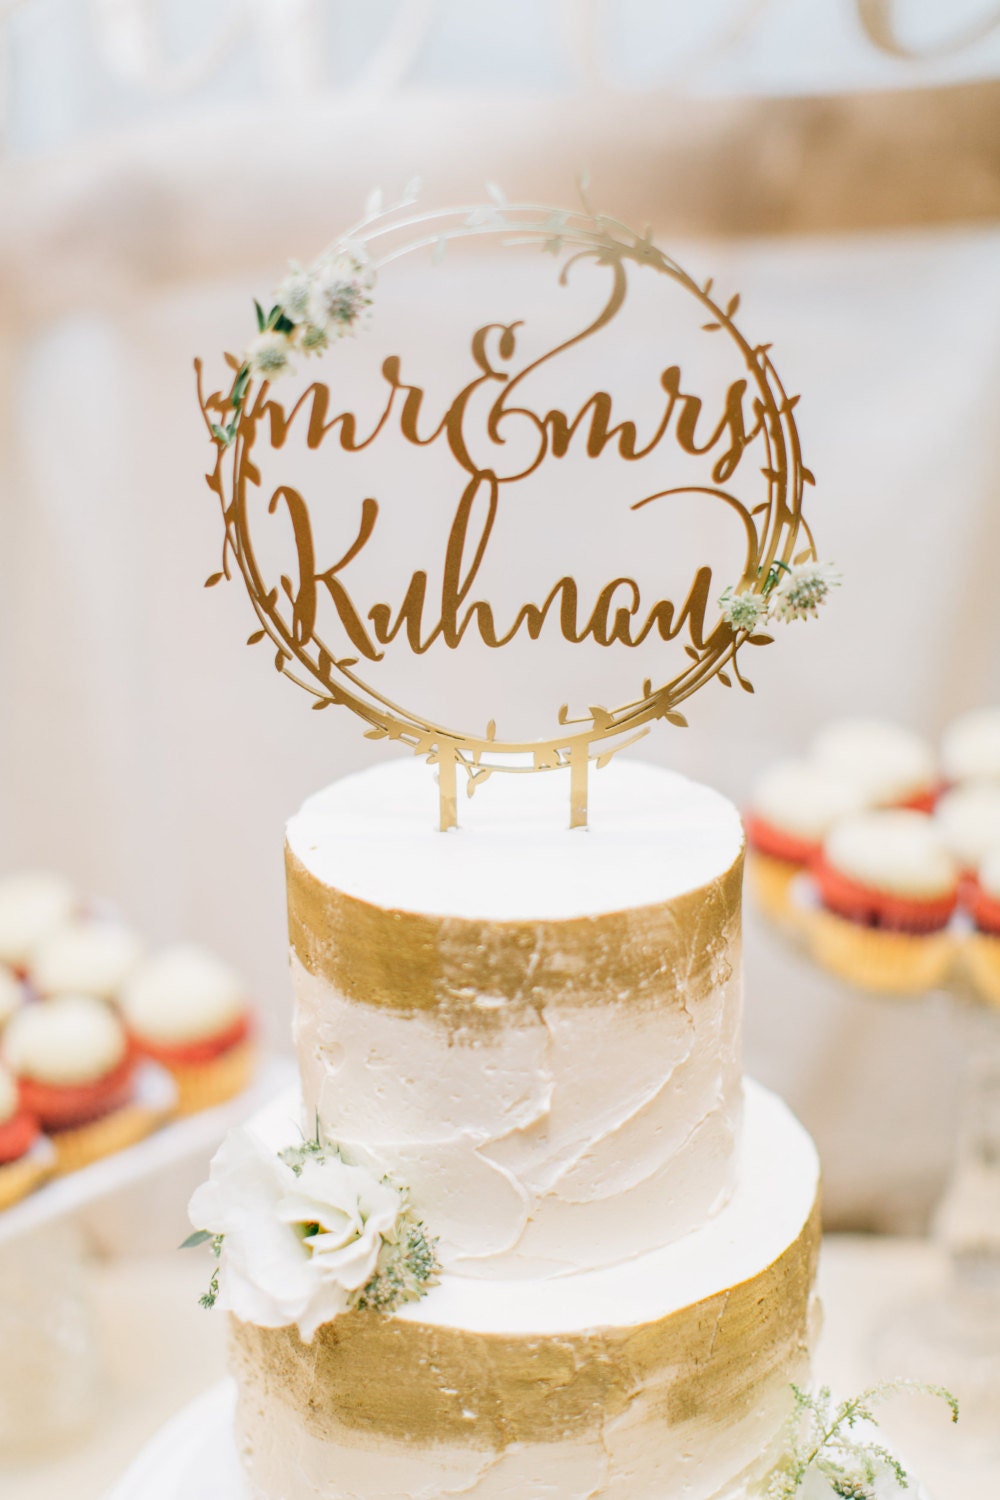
{"points": [[489, 430]]}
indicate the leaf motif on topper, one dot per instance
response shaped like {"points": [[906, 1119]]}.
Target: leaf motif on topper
{"points": [[316, 307]]}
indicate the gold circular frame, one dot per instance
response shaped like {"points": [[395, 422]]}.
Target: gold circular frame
{"points": [[772, 528]]}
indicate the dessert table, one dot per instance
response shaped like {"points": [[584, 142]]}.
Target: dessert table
{"points": [[164, 1353]]}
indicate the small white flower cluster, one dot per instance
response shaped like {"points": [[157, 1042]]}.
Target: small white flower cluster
{"points": [[304, 1235], [797, 594], [314, 306]]}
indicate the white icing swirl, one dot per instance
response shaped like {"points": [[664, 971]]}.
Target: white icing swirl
{"points": [[968, 818], [182, 994], [803, 798], [88, 956], [970, 747], [32, 905], [885, 762], [75, 1039], [893, 850]]}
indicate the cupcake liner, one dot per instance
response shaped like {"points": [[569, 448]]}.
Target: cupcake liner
{"points": [[770, 881], [981, 959], [203, 1085], [878, 959], [20, 1177], [153, 1102]]}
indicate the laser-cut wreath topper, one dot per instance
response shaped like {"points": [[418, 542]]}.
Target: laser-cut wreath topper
{"points": [[781, 578]]}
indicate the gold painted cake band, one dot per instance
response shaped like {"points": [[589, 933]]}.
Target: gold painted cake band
{"points": [[464, 969], [413, 1382]]}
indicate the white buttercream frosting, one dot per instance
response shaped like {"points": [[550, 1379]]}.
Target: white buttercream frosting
{"points": [[568, 1139], [970, 747], [9, 1098], [652, 835], [968, 818], [182, 994], [641, 1453], [893, 850], [75, 1039], [989, 874], [11, 994], [886, 762], [804, 798], [88, 956], [570, 1135], [32, 905]]}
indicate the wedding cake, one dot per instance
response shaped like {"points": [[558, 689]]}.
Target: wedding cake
{"points": [[535, 1032]]}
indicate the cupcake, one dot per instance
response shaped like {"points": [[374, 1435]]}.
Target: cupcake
{"points": [[968, 818], [970, 748], [793, 806], [22, 1164], [890, 766], [32, 905], [87, 956], [982, 947], [888, 888], [76, 1073], [188, 1010]]}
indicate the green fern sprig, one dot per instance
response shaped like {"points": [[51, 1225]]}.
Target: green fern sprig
{"points": [[823, 1438]]}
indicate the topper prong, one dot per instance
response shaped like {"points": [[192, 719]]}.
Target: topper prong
{"points": [[447, 787], [579, 766]]}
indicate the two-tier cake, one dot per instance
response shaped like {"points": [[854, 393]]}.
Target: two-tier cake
{"points": [[537, 1032]]}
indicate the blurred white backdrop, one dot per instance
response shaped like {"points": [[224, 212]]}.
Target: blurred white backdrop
{"points": [[161, 163]]}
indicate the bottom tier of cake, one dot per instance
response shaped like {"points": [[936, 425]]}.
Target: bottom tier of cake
{"points": [[665, 1377]]}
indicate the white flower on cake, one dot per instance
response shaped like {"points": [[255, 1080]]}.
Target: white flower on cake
{"points": [[304, 1236], [802, 589], [293, 293], [342, 281], [269, 353]]}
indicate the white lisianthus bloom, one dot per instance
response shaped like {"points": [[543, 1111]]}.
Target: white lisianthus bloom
{"points": [[341, 286], [302, 1231], [269, 354], [802, 589], [293, 293]]}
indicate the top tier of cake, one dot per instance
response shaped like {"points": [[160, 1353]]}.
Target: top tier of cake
{"points": [[537, 1030]]}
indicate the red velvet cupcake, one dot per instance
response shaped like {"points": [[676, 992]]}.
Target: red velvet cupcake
{"points": [[188, 1011], [76, 1073], [888, 888], [793, 807]]}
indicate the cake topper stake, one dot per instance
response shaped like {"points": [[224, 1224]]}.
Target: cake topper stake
{"points": [[781, 577]]}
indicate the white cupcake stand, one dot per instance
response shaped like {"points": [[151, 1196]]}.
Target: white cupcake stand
{"points": [[94, 1193]]}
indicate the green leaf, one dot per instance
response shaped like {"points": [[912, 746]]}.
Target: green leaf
{"points": [[199, 1237], [261, 319]]}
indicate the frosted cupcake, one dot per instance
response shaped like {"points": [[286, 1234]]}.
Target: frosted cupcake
{"points": [[968, 818], [87, 956], [32, 905], [970, 747], [982, 947], [890, 766], [77, 1077], [888, 888], [22, 1165], [188, 1010], [793, 807]]}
